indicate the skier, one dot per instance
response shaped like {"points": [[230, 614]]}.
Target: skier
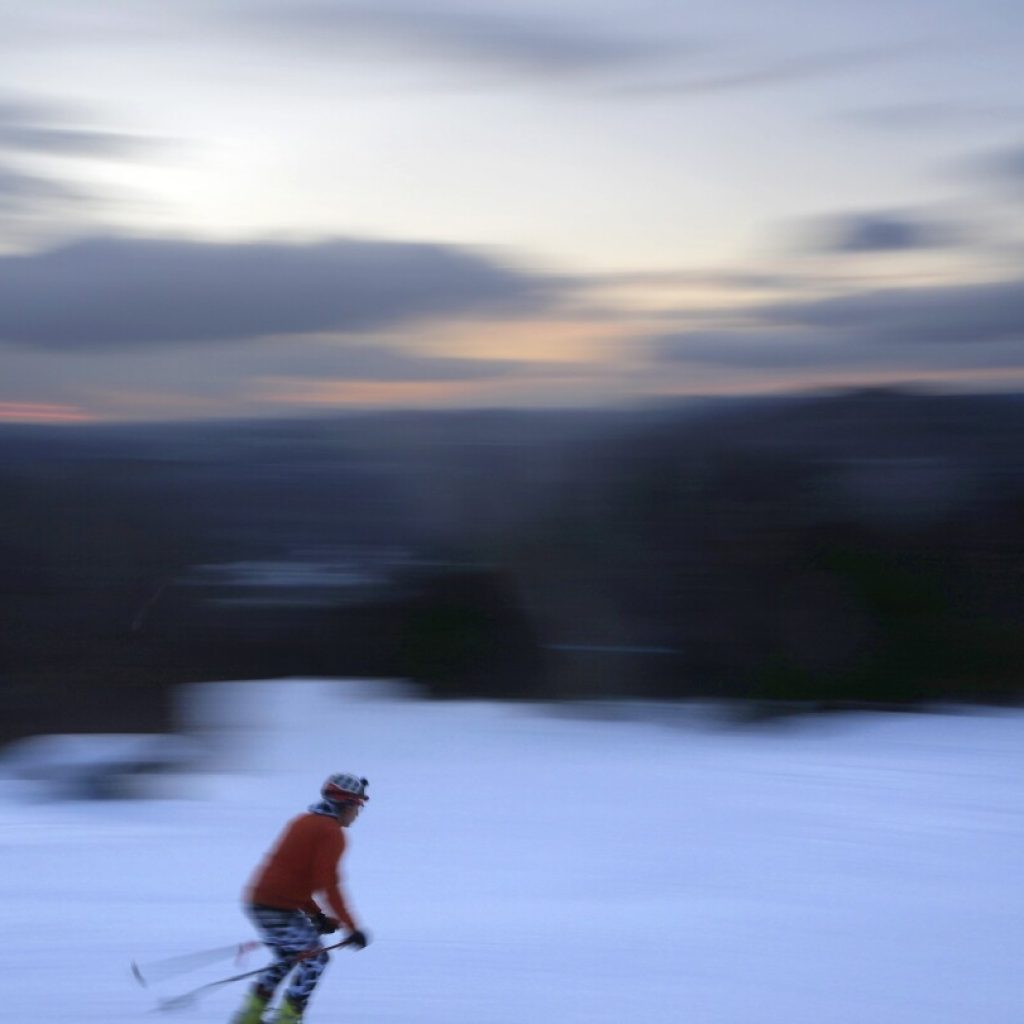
{"points": [[280, 900]]}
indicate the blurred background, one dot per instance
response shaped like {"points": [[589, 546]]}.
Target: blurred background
{"points": [[599, 426], [850, 550], [642, 351]]}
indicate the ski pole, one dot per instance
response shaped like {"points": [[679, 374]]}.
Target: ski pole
{"points": [[158, 970], [188, 998]]}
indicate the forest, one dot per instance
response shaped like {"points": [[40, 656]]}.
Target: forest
{"points": [[805, 552]]}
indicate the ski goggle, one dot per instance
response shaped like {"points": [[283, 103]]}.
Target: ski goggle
{"points": [[338, 795], [349, 800]]}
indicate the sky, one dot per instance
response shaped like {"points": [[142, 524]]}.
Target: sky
{"points": [[268, 208]]}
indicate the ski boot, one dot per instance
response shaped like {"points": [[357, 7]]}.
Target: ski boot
{"points": [[252, 1009], [287, 1013]]}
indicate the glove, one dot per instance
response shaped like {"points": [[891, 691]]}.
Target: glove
{"points": [[357, 939], [322, 923]]}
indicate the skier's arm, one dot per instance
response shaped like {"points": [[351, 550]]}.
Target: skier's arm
{"points": [[336, 903], [326, 874]]}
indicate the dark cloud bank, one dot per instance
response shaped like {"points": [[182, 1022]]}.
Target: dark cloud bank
{"points": [[880, 232], [976, 325], [964, 314], [120, 293]]}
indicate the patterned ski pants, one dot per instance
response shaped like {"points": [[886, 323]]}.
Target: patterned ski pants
{"points": [[289, 933]]}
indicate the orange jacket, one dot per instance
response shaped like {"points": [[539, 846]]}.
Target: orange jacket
{"points": [[302, 862]]}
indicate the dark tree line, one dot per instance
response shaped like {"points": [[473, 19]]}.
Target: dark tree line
{"points": [[857, 549], [789, 571]]}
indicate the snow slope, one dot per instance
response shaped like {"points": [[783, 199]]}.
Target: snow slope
{"points": [[518, 865]]}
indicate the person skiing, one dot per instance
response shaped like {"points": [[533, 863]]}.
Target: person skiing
{"points": [[279, 899]]}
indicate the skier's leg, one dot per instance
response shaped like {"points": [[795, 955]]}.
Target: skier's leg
{"points": [[304, 980], [287, 933]]}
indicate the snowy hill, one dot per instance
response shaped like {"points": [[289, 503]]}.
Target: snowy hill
{"points": [[516, 865]]}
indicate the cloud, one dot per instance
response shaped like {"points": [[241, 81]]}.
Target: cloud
{"points": [[20, 192], [270, 376], [113, 293], [738, 279], [933, 115], [74, 142], [59, 201], [1000, 171], [636, 63], [228, 378], [378, 362], [23, 109], [1005, 166], [912, 331], [746, 349], [47, 129], [520, 45], [879, 232], [749, 75], [957, 314]]}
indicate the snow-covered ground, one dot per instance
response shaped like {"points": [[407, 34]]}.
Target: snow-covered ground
{"points": [[517, 866]]}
